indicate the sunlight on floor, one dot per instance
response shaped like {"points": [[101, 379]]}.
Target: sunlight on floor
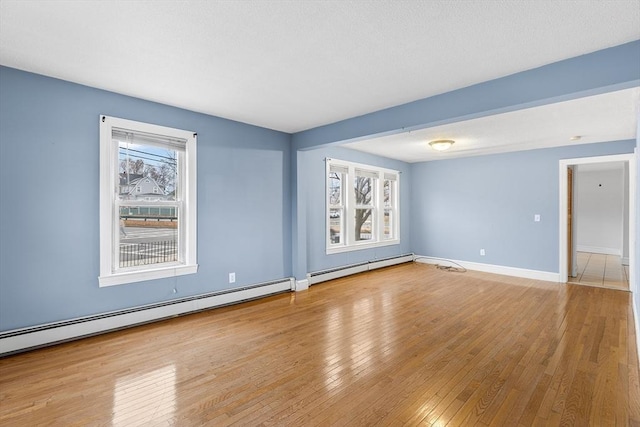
{"points": [[372, 345], [145, 399]]}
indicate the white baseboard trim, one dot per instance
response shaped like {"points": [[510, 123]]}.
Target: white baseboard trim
{"points": [[302, 285], [498, 269], [599, 250], [18, 340]]}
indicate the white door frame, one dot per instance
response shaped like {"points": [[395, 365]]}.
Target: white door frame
{"points": [[562, 179]]}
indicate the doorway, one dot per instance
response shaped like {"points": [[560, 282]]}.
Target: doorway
{"points": [[566, 235], [598, 218]]}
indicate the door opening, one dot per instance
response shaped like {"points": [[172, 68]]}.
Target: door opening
{"points": [[567, 237]]}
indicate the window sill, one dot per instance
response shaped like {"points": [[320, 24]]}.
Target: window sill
{"points": [[361, 246], [141, 275]]}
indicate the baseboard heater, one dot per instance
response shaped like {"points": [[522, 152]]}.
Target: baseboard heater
{"points": [[334, 273], [19, 340]]}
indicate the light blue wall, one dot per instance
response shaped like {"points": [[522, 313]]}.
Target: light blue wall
{"points": [[313, 184], [49, 222], [459, 206], [261, 200]]}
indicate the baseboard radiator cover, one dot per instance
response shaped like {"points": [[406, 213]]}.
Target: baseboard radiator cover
{"points": [[347, 270], [19, 340]]}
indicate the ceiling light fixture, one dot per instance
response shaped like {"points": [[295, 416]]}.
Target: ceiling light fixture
{"points": [[441, 144]]}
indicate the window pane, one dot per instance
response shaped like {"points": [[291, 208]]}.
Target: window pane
{"points": [[335, 188], [148, 235], [363, 188], [147, 172], [364, 221], [335, 226], [388, 189], [388, 224]]}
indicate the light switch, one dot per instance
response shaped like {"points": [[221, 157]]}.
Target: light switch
{"points": [[536, 217]]}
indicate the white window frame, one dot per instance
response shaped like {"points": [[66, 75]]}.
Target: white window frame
{"points": [[110, 272], [348, 241]]}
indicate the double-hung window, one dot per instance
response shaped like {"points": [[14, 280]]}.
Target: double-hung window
{"points": [[147, 201], [362, 206]]}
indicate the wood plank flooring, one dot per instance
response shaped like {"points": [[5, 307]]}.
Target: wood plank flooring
{"points": [[601, 270], [407, 345]]}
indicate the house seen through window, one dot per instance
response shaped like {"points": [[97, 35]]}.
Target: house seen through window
{"points": [[148, 233]]}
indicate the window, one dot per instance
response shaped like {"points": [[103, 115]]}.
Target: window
{"points": [[147, 201], [362, 206]]}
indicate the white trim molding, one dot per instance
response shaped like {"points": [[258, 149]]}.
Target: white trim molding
{"points": [[599, 250], [301, 285], [547, 276]]}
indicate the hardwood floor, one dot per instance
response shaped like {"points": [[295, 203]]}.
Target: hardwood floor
{"points": [[407, 345], [601, 270]]}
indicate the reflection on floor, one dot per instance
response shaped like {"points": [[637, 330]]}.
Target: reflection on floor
{"points": [[601, 270]]}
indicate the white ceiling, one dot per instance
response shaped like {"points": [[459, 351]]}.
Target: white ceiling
{"points": [[608, 117], [294, 65]]}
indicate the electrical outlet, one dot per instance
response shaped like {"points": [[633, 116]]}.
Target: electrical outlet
{"points": [[232, 277], [481, 252], [536, 217]]}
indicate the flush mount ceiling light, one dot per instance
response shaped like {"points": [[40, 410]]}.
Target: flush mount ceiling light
{"points": [[441, 144]]}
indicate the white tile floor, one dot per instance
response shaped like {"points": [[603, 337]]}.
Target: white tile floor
{"points": [[601, 270]]}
